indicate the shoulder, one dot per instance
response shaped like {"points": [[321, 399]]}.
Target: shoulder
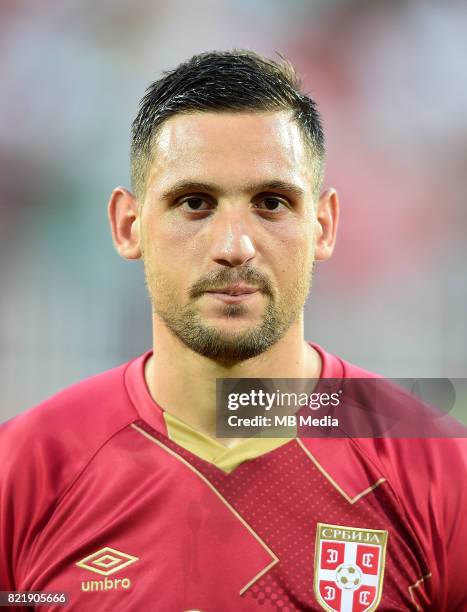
{"points": [[336, 367], [421, 456], [93, 406], [42, 452], [52, 440], [423, 469]]}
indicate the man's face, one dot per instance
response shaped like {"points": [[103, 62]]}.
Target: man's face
{"points": [[227, 230]]}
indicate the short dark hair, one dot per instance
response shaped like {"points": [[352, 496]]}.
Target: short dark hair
{"points": [[223, 81]]}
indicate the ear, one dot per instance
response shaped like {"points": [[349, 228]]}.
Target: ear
{"points": [[124, 222], [327, 218]]}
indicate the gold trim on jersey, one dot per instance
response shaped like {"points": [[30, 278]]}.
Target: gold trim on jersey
{"points": [[415, 585], [351, 500], [275, 558], [209, 449]]}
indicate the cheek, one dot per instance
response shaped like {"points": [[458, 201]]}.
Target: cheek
{"points": [[292, 249], [167, 241], [171, 251]]}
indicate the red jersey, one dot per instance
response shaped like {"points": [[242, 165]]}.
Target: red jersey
{"points": [[97, 501]]}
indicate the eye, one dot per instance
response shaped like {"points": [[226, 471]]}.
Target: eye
{"points": [[195, 204], [272, 204]]}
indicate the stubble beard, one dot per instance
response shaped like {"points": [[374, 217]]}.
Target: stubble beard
{"points": [[226, 346]]}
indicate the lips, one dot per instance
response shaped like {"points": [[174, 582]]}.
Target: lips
{"points": [[234, 294], [238, 289]]}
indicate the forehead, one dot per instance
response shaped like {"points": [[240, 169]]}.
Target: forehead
{"points": [[231, 148]]}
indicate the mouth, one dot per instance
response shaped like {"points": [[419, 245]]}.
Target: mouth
{"points": [[234, 293]]}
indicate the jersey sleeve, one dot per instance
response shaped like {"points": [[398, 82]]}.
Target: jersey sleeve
{"points": [[428, 476], [29, 486], [7, 505], [42, 451], [449, 504]]}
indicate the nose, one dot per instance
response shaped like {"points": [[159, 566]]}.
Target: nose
{"points": [[231, 239]]}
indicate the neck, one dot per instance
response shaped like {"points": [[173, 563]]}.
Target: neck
{"points": [[183, 382]]}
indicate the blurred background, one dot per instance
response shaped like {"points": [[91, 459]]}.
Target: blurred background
{"points": [[390, 78]]}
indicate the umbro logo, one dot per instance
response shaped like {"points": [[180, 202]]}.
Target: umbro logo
{"points": [[105, 562]]}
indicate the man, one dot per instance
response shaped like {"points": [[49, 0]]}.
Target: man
{"points": [[117, 492]]}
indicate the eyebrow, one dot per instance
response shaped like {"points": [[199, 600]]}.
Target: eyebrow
{"points": [[185, 186]]}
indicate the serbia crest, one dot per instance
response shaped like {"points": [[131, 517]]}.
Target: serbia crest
{"points": [[349, 567]]}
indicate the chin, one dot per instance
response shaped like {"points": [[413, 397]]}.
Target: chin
{"points": [[232, 327]]}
